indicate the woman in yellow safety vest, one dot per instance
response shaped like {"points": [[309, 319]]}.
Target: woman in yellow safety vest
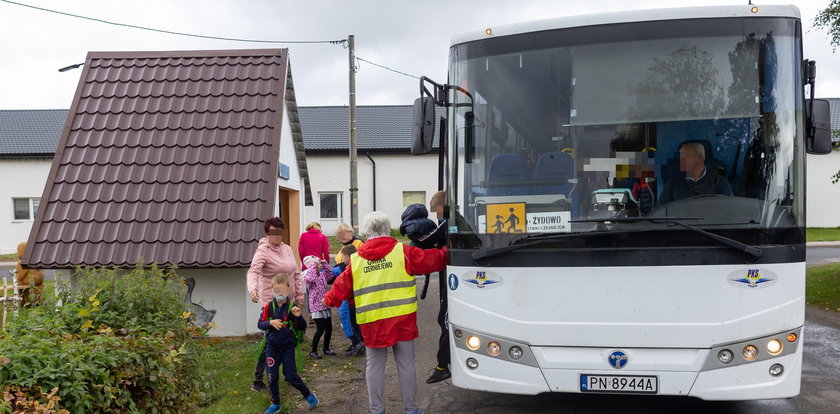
{"points": [[380, 281]]}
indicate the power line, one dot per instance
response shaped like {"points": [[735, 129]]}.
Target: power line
{"points": [[387, 68], [169, 31], [339, 41]]}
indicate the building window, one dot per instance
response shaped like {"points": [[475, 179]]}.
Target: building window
{"points": [[330, 205], [25, 208], [414, 197]]}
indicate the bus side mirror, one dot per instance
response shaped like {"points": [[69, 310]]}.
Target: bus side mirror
{"points": [[423, 128], [818, 127]]}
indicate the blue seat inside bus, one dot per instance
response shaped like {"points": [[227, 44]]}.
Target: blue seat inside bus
{"points": [[504, 172], [554, 166]]}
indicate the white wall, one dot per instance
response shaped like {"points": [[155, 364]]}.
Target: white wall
{"points": [[225, 290], [221, 289], [394, 174], [287, 154], [823, 197], [21, 178]]}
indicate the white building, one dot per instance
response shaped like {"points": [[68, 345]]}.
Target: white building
{"points": [[27, 145], [823, 196], [389, 177]]}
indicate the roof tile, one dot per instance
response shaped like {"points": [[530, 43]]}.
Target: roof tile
{"points": [[169, 157]]}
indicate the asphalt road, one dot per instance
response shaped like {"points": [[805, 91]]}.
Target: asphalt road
{"points": [[815, 256], [6, 266]]}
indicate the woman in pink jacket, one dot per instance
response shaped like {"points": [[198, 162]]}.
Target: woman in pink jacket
{"points": [[272, 257], [314, 243]]}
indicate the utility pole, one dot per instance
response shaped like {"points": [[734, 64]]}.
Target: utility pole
{"points": [[354, 178]]}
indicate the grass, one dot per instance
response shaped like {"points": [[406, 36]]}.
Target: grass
{"points": [[11, 257], [335, 245], [822, 286], [813, 234], [228, 366]]}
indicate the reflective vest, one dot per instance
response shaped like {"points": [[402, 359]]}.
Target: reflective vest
{"points": [[382, 288]]}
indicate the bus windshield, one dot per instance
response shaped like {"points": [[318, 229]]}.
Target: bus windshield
{"points": [[699, 120]]}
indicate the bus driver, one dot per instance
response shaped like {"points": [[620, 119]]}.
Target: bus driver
{"points": [[698, 180]]}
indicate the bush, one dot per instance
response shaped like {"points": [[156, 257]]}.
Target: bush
{"points": [[118, 342]]}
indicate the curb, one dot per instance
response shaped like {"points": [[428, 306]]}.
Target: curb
{"points": [[823, 244]]}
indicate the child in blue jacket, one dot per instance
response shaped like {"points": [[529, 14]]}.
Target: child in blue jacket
{"points": [[278, 320]]}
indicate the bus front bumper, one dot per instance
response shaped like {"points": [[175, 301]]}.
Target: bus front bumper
{"points": [[677, 372], [745, 382]]}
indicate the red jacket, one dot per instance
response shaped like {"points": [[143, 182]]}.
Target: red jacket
{"points": [[314, 243], [387, 332]]}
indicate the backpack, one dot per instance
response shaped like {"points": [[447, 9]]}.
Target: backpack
{"points": [[289, 324]]}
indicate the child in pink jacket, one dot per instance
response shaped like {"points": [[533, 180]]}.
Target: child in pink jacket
{"points": [[316, 275]]}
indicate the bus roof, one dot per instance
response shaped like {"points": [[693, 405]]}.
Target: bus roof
{"points": [[679, 13]]}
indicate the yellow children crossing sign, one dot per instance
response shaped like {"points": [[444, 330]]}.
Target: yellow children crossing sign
{"points": [[506, 218]]}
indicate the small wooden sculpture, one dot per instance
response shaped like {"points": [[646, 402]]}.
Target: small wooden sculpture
{"points": [[30, 282]]}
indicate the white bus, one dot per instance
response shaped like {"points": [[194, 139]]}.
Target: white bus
{"points": [[587, 255]]}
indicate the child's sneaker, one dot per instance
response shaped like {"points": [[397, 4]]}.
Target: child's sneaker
{"points": [[272, 409], [417, 411], [258, 387], [312, 399]]}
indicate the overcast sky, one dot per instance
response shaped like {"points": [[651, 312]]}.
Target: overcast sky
{"points": [[409, 36]]}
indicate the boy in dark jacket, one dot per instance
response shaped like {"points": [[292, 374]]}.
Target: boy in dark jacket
{"points": [[426, 234], [278, 320], [420, 229]]}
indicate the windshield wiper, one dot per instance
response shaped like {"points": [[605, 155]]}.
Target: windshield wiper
{"points": [[543, 238], [536, 240], [753, 251]]}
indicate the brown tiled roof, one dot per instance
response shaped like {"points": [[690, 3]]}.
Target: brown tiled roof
{"points": [[166, 156]]}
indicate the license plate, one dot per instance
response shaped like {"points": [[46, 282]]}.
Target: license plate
{"points": [[619, 383]]}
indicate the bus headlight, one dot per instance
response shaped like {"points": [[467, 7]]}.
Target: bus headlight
{"points": [[750, 352], [472, 363], [473, 342], [792, 337], [776, 370], [725, 356], [774, 347], [515, 353], [494, 349]]}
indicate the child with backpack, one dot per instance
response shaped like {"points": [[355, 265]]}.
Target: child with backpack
{"points": [[283, 324]]}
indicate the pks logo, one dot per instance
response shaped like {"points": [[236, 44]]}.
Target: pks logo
{"points": [[483, 279], [752, 278], [618, 359]]}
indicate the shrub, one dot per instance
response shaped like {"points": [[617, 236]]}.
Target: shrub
{"points": [[116, 342], [24, 400]]}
